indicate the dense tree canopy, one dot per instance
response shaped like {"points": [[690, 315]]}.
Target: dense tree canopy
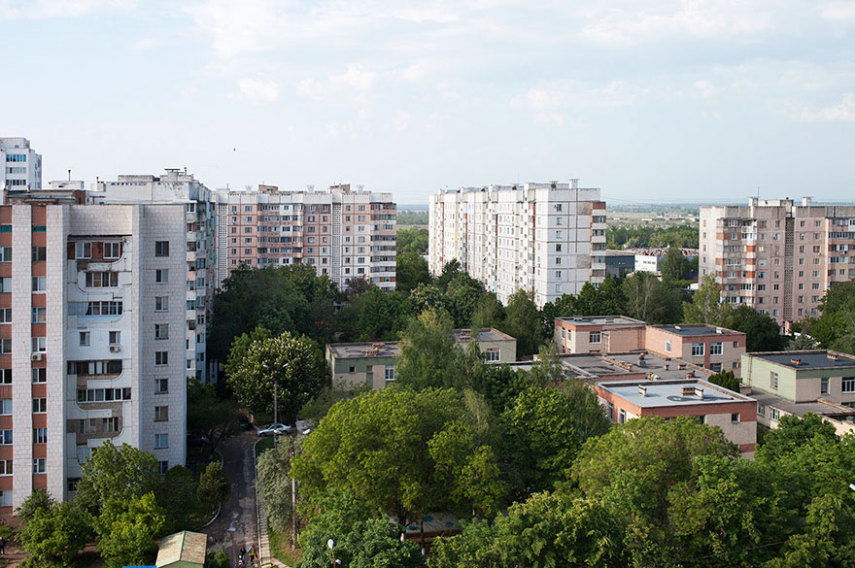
{"points": [[835, 327], [684, 236]]}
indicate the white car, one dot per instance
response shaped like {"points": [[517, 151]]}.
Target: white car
{"points": [[277, 428]]}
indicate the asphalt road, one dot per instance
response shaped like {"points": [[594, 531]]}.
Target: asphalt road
{"points": [[236, 523]]}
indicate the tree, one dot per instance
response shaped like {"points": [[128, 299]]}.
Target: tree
{"points": [[674, 266], [274, 466], [544, 430], [650, 300], [522, 321], [178, 496], [489, 313], [449, 271], [412, 240], [411, 269], [429, 356], [208, 416], [463, 293], [127, 531], [762, 333], [53, 536], [725, 379], [362, 537], [835, 327], [428, 297], [214, 487], [39, 500], [294, 364], [378, 447], [375, 315], [118, 474]]}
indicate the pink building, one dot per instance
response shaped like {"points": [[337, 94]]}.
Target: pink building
{"points": [[342, 233]]}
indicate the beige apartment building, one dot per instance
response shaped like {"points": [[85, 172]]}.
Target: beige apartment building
{"points": [[91, 337], [342, 232], [777, 256], [548, 239]]}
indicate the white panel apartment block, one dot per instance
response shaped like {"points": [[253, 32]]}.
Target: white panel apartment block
{"points": [[21, 165], [545, 238]]}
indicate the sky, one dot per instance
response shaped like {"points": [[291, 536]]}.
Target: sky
{"points": [[649, 100]]}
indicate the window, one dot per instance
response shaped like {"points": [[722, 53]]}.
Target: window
{"points": [[161, 357], [5, 437], [5, 376], [161, 303], [492, 355], [621, 416], [823, 385], [715, 348], [161, 413], [39, 405], [163, 467], [112, 250], [390, 374], [667, 346], [594, 337], [6, 315], [773, 380], [697, 349], [102, 279], [161, 386], [115, 337], [761, 410], [39, 465], [774, 414], [161, 276], [39, 344], [5, 406], [161, 331], [39, 254], [161, 441], [5, 254], [715, 367], [40, 435], [6, 468], [5, 346], [39, 283], [848, 384], [734, 418], [85, 338], [161, 248], [40, 375]]}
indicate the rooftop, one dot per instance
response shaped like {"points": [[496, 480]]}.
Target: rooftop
{"points": [[801, 408], [483, 334], [360, 350], [808, 359], [660, 394], [600, 320], [696, 330], [184, 546], [595, 366]]}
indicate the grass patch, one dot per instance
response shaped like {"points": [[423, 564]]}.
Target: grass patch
{"points": [[281, 550]]}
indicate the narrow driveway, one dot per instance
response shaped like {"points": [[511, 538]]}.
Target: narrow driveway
{"points": [[237, 522]]}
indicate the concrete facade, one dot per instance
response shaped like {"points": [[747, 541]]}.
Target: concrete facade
{"points": [[20, 165], [199, 221], [342, 233], [83, 349], [710, 347], [803, 376], [599, 334], [777, 256], [548, 239], [733, 413]]}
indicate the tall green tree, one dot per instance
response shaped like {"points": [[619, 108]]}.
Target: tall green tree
{"points": [[835, 327], [429, 356], [214, 486], [411, 269], [209, 416], [522, 321], [117, 473], [706, 305], [375, 315], [273, 468], [651, 300], [762, 332], [489, 312], [128, 531], [55, 536], [294, 364]]}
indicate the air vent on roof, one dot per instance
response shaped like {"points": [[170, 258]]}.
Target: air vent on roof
{"points": [[642, 390], [833, 356], [677, 327], [795, 361]]}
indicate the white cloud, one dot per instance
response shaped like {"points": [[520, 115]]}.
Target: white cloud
{"points": [[705, 89], [353, 84], [838, 11], [257, 90], [44, 9], [842, 112]]}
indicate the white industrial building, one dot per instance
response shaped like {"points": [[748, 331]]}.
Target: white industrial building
{"points": [[545, 238]]}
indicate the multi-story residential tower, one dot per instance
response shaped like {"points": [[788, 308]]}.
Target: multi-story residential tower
{"points": [[777, 256], [545, 238], [200, 229], [90, 344], [343, 233], [21, 165]]}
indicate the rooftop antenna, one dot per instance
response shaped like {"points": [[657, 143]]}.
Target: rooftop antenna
{"points": [[69, 174]]}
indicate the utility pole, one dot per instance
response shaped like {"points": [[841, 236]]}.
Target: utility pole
{"points": [[293, 501]]}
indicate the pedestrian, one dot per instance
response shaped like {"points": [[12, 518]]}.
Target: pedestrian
{"points": [[2, 545], [242, 552], [252, 555]]}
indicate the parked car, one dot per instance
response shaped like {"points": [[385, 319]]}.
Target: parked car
{"points": [[277, 428]]}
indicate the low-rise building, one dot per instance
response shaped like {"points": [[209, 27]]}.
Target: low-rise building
{"points": [[599, 334], [714, 348], [734, 413], [354, 365], [797, 382]]}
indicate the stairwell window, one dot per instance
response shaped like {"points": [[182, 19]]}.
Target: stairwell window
{"points": [[773, 380], [161, 248]]}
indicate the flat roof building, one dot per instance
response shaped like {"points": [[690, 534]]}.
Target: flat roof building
{"points": [[20, 165], [734, 413]]}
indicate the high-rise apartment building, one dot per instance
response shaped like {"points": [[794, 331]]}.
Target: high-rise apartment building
{"points": [[21, 165], [777, 256], [545, 238], [341, 232], [91, 341], [199, 224]]}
